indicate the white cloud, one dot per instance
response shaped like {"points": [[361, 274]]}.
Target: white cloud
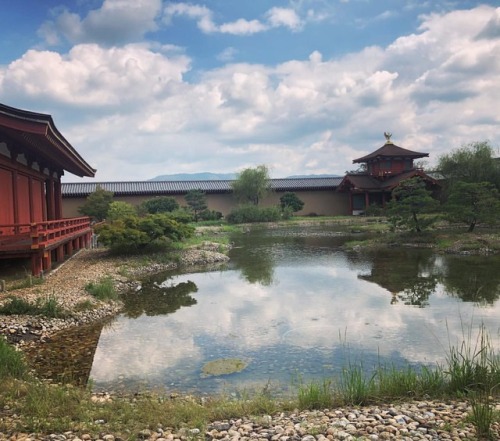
{"points": [[275, 17], [284, 17], [435, 90], [242, 27], [117, 21]]}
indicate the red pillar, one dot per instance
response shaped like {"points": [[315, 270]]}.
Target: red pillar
{"points": [[36, 263], [58, 200], [367, 200], [47, 261], [69, 247], [60, 253], [49, 188]]}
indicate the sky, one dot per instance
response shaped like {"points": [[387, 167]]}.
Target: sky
{"points": [[143, 88]]}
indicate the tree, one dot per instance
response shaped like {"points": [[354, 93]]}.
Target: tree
{"points": [[411, 199], [473, 162], [97, 204], [291, 201], [473, 202], [161, 204], [120, 210], [252, 185], [197, 202]]}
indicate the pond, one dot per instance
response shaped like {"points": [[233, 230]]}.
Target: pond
{"points": [[292, 305]]}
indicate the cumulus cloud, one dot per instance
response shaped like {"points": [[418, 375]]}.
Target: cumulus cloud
{"points": [[435, 90], [117, 21], [275, 17]]}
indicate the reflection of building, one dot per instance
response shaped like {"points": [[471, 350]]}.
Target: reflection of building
{"points": [[330, 196], [33, 157], [383, 170]]}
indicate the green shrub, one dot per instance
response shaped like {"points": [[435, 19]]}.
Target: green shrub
{"points": [[102, 290], [137, 233], [252, 213]]}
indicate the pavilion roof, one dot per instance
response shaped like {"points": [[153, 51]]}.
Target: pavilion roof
{"points": [[390, 150], [38, 135], [366, 182]]}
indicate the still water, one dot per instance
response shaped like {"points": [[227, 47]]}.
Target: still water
{"points": [[293, 304]]}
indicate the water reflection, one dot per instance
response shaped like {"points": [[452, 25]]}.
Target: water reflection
{"points": [[158, 296], [472, 279], [411, 276], [293, 303]]}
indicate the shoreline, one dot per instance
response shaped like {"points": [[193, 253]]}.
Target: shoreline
{"points": [[67, 282], [404, 419]]}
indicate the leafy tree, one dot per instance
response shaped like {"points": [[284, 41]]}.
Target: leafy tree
{"points": [[291, 201], [160, 204], [471, 203], [197, 202], [411, 199], [120, 210], [97, 204], [474, 162], [252, 185]]}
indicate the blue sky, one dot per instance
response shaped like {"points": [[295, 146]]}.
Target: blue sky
{"points": [[149, 87]]}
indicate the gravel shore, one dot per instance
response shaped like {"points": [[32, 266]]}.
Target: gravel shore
{"points": [[410, 421], [67, 284]]}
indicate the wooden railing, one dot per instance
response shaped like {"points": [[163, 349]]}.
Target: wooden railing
{"points": [[40, 235]]}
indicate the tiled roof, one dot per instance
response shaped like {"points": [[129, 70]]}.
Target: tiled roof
{"points": [[391, 150], [369, 183], [80, 189]]}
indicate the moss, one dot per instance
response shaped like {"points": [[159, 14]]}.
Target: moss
{"points": [[224, 366]]}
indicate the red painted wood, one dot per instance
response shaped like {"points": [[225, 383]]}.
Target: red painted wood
{"points": [[6, 197], [22, 199]]}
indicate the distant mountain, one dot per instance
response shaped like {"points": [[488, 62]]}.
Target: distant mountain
{"points": [[313, 176], [207, 176]]}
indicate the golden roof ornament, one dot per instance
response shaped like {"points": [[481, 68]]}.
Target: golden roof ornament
{"points": [[388, 137]]}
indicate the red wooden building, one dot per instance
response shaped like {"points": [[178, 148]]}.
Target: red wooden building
{"points": [[33, 157], [383, 170]]}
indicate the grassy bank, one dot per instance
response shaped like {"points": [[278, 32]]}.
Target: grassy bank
{"points": [[472, 372]]}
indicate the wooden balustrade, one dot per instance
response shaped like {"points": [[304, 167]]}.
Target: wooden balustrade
{"points": [[44, 241]]}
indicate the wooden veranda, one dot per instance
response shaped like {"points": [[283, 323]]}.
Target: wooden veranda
{"points": [[33, 157]]}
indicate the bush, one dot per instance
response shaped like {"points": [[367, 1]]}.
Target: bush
{"points": [[252, 213], [161, 204], [210, 215], [102, 290], [134, 233]]}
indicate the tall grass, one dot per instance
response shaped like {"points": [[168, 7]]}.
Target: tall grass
{"points": [[11, 362], [48, 307], [104, 289]]}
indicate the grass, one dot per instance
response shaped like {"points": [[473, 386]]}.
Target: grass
{"points": [[104, 289], [48, 307], [48, 408], [12, 363]]}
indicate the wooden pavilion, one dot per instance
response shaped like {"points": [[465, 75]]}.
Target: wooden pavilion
{"points": [[383, 170], [33, 157]]}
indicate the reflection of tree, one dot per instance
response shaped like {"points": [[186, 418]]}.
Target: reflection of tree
{"points": [[260, 269], [156, 298], [418, 294], [473, 279], [253, 256], [407, 274]]}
